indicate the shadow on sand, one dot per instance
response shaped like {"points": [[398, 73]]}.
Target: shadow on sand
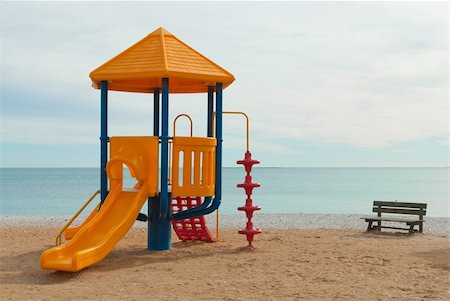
{"points": [[24, 268]]}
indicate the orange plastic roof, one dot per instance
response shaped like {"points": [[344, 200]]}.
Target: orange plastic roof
{"points": [[159, 55]]}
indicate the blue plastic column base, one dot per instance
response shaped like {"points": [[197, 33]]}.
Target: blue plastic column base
{"points": [[160, 228]]}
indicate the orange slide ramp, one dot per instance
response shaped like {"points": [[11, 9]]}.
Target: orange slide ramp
{"points": [[94, 239], [97, 238]]}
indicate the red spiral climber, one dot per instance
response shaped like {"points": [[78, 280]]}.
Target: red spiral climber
{"points": [[249, 208]]}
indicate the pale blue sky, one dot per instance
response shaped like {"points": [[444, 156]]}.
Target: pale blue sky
{"points": [[325, 83]]}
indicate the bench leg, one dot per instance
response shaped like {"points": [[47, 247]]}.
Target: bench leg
{"points": [[369, 226], [411, 229], [379, 226], [421, 227]]}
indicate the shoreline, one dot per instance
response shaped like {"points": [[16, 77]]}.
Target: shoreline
{"points": [[433, 225]]}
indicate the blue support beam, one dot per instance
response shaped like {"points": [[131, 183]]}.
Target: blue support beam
{"points": [[209, 132], [156, 112], [160, 229], [219, 113], [165, 148], [103, 140], [153, 202], [210, 111]]}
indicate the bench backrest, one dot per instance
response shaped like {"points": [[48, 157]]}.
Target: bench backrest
{"points": [[419, 209]]}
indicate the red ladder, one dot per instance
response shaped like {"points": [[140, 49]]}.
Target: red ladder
{"points": [[190, 228]]}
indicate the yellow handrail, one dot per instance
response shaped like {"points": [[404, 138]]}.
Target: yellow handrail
{"points": [[169, 179], [175, 122], [247, 124], [58, 238]]}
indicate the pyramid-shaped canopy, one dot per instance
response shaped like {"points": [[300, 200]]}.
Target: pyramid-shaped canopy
{"points": [[159, 55]]}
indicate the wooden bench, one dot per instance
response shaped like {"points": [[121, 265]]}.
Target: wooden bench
{"points": [[389, 208]]}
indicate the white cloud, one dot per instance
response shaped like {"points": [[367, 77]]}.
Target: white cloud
{"points": [[369, 75], [48, 130], [366, 83]]}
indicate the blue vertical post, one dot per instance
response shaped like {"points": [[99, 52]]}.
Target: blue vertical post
{"points": [[160, 230], [153, 202], [209, 132], [156, 112], [164, 147], [219, 110], [103, 140], [210, 111]]}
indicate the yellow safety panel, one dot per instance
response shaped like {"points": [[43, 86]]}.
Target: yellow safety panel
{"points": [[193, 166], [159, 55], [140, 154]]}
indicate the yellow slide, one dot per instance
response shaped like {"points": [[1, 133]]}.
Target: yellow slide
{"points": [[94, 239]]}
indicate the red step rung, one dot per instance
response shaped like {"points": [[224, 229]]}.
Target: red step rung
{"points": [[191, 228]]}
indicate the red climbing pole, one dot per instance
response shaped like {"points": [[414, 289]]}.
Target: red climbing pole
{"points": [[190, 228], [249, 208]]}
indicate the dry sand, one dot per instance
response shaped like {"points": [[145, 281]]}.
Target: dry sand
{"points": [[306, 264]]}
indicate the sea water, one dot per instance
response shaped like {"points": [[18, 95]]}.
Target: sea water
{"points": [[62, 191]]}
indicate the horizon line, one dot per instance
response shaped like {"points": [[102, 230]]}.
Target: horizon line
{"points": [[30, 167]]}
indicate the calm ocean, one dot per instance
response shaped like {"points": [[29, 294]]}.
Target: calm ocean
{"points": [[61, 191]]}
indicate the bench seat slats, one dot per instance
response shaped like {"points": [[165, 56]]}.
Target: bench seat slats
{"points": [[398, 211], [392, 219]]}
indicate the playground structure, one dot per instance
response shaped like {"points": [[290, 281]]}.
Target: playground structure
{"points": [[159, 64]]}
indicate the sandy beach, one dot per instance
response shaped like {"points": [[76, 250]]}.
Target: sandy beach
{"points": [[287, 264]]}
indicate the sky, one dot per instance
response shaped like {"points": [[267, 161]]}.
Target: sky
{"points": [[326, 84]]}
